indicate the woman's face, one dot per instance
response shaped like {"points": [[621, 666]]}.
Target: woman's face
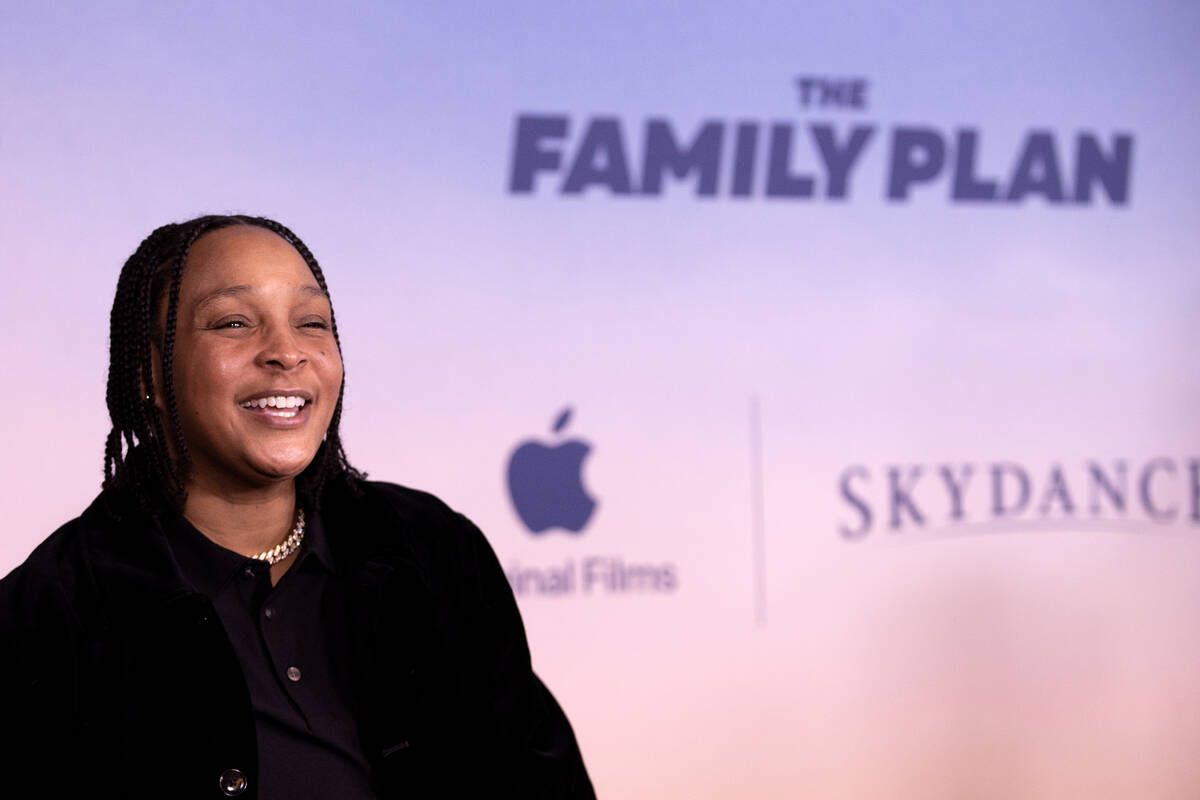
{"points": [[257, 371]]}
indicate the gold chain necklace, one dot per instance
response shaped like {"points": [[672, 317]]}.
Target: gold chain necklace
{"points": [[288, 546]]}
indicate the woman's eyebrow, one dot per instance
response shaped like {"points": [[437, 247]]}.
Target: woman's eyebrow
{"points": [[228, 291], [240, 289]]}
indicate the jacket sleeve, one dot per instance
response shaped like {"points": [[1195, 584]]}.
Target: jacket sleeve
{"points": [[452, 707], [39, 688], [545, 758]]}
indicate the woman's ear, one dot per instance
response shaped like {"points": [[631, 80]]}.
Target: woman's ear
{"points": [[156, 375]]}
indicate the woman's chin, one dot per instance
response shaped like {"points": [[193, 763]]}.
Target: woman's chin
{"points": [[277, 471], [266, 471]]}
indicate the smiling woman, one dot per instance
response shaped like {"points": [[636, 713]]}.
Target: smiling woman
{"points": [[240, 612], [257, 375]]}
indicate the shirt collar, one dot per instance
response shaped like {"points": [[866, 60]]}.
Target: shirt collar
{"points": [[209, 566]]}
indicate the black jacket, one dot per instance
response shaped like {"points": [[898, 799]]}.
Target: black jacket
{"points": [[115, 673]]}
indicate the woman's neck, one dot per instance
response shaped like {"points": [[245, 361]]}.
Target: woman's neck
{"points": [[247, 522]]}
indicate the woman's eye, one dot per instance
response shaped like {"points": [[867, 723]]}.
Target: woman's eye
{"points": [[230, 323], [316, 323]]}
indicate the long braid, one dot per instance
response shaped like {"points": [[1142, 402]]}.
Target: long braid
{"points": [[148, 424], [183, 461], [136, 452], [113, 394], [131, 374]]}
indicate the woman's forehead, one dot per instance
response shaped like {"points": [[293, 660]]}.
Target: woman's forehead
{"points": [[246, 257]]}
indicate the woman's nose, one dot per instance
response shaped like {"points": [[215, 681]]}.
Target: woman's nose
{"points": [[281, 349]]}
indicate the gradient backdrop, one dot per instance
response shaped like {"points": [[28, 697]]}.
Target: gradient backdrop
{"points": [[754, 376]]}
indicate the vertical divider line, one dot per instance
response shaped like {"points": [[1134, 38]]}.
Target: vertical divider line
{"points": [[758, 514]]}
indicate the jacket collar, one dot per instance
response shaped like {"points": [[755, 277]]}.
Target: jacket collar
{"points": [[131, 560]]}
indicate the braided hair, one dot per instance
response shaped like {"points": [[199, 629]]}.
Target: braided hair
{"points": [[137, 453]]}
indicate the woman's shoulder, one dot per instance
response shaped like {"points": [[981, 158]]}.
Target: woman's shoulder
{"points": [[388, 518], [109, 537], [60, 553], [394, 503], [55, 571], [406, 500]]}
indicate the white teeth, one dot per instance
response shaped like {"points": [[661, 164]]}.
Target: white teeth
{"points": [[279, 401]]}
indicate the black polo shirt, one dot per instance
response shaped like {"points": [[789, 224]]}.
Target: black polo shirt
{"points": [[290, 639]]}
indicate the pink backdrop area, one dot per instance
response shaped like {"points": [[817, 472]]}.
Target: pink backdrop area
{"points": [[798, 408]]}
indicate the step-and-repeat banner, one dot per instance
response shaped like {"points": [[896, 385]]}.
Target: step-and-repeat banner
{"points": [[824, 375]]}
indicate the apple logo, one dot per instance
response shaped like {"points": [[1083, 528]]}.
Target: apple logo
{"points": [[546, 483]]}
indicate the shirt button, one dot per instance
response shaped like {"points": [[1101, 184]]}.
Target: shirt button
{"points": [[233, 782], [268, 612], [293, 674], [248, 572]]}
